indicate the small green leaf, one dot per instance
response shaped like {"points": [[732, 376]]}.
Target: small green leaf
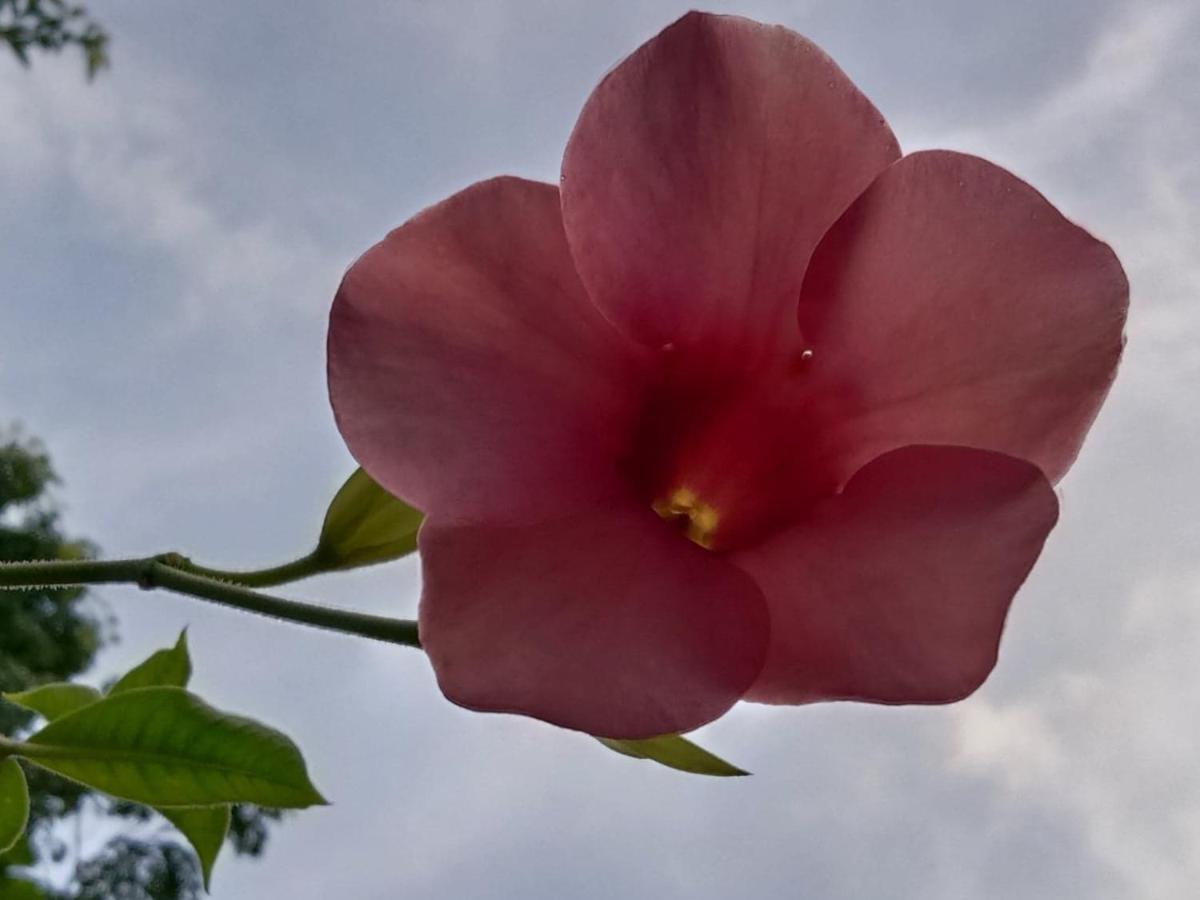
{"points": [[53, 701], [165, 747], [366, 525], [205, 828], [675, 752], [164, 668], [14, 803]]}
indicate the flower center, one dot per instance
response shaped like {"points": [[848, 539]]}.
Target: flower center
{"points": [[697, 519], [728, 464], [720, 468]]}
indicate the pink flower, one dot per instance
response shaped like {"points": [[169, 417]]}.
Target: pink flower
{"points": [[751, 407]]}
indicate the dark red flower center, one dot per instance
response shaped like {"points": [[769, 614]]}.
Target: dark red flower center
{"points": [[727, 462]]}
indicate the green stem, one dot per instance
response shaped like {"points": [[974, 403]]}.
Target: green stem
{"points": [[304, 567], [9, 748], [153, 572]]}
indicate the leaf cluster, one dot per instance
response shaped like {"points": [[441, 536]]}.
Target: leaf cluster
{"points": [[51, 25], [149, 741]]}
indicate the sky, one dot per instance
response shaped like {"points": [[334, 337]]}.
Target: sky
{"points": [[173, 235]]}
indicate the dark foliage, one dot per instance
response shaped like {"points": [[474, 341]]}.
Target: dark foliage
{"points": [[49, 26]]}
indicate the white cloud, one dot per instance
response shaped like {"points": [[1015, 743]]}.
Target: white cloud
{"points": [[138, 149], [1123, 69], [1112, 746]]}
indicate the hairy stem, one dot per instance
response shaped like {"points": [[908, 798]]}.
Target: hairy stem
{"points": [[153, 572], [9, 747], [304, 567]]}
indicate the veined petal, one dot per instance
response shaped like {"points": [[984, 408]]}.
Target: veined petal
{"points": [[700, 176], [468, 371], [952, 304], [896, 590], [608, 621]]}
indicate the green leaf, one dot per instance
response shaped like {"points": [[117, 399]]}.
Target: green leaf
{"points": [[19, 854], [19, 889], [165, 747], [205, 828], [675, 752], [53, 701], [14, 803], [366, 525], [164, 668]]}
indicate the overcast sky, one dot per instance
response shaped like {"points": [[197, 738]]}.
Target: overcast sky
{"points": [[172, 237]]}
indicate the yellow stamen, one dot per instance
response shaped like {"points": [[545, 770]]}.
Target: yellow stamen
{"points": [[702, 519]]}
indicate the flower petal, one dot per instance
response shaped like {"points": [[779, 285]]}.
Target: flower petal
{"points": [[468, 371], [896, 590], [701, 174], [608, 621], [953, 304]]}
